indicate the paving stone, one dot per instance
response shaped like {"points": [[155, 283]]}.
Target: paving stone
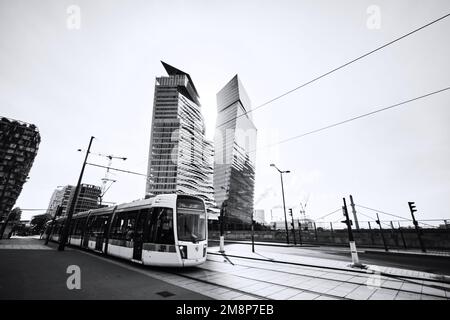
{"points": [[305, 296], [284, 294], [361, 293]]}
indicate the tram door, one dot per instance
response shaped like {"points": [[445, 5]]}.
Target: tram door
{"points": [[86, 234], [138, 238]]}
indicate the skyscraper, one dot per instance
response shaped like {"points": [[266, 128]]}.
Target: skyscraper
{"points": [[19, 144], [180, 158], [234, 153]]}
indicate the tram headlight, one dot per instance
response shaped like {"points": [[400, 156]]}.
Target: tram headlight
{"points": [[183, 252]]}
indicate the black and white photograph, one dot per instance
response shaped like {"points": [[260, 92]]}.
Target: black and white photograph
{"points": [[224, 159]]}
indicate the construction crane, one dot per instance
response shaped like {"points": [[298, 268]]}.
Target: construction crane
{"points": [[106, 179], [303, 208]]}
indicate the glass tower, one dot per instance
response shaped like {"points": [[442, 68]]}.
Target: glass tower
{"points": [[180, 158], [234, 157]]}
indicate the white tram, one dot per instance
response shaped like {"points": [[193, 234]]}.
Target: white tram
{"points": [[166, 230]]}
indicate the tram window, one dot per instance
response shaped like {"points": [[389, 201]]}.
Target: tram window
{"points": [[141, 223], [99, 225], [123, 226], [161, 226], [79, 227], [90, 225]]}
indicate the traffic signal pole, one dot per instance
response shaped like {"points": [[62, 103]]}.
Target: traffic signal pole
{"points": [[300, 232], [381, 233], [222, 222], [413, 209], [293, 227], [65, 233], [253, 235], [353, 251]]}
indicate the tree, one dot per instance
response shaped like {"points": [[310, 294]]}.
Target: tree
{"points": [[11, 220], [16, 215], [38, 222]]}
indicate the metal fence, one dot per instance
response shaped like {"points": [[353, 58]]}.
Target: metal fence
{"points": [[388, 234]]}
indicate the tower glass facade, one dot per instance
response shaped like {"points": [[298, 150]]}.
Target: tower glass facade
{"points": [[180, 158], [234, 157]]}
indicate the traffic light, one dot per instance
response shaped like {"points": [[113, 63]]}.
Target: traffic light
{"points": [[412, 207], [290, 211], [349, 221]]}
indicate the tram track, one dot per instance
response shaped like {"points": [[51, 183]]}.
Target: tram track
{"points": [[196, 278], [143, 268], [374, 272], [260, 281], [328, 279]]}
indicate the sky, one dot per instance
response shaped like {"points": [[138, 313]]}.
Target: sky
{"points": [[94, 76]]}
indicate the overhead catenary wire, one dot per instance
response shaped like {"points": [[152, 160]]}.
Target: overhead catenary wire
{"points": [[390, 214], [335, 69], [352, 119], [379, 211], [329, 214], [316, 79], [374, 219], [115, 169]]}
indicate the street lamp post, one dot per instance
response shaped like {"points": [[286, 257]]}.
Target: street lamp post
{"points": [[284, 205]]}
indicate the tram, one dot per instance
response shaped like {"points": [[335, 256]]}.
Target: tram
{"points": [[166, 230]]}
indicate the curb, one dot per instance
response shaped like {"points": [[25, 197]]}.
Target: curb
{"points": [[406, 254]]}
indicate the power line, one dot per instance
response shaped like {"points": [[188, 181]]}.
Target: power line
{"points": [[354, 118], [335, 69]]}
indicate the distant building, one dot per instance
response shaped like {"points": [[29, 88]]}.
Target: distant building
{"points": [[180, 157], [259, 216], [88, 199], [234, 154], [19, 144]]}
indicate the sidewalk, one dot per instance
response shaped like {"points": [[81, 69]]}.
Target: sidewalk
{"points": [[329, 263]]}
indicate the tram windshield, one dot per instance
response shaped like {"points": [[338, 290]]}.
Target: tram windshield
{"points": [[191, 219]]}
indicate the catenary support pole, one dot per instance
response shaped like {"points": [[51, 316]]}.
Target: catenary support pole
{"points": [[65, 233], [353, 250]]}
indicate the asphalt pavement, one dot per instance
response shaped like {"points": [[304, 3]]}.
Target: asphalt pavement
{"points": [[30, 271]]}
